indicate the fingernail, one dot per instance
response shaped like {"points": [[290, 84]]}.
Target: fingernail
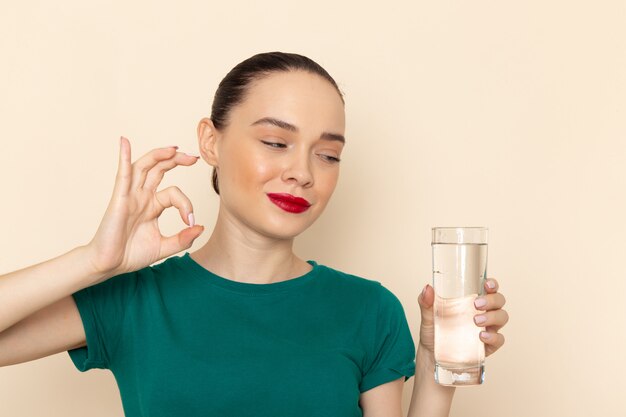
{"points": [[190, 154], [171, 146], [491, 284], [192, 220], [480, 302], [424, 290], [480, 319], [485, 335]]}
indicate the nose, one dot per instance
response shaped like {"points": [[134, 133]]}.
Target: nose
{"points": [[299, 171]]}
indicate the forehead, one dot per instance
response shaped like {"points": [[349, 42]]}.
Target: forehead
{"points": [[304, 99]]}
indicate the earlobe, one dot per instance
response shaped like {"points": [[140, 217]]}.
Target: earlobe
{"points": [[207, 141]]}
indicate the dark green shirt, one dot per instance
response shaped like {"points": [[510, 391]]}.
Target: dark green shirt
{"points": [[182, 341]]}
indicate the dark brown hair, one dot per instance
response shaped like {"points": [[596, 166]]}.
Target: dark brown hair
{"points": [[232, 89]]}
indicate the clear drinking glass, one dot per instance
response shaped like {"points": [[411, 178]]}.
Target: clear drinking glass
{"points": [[459, 274]]}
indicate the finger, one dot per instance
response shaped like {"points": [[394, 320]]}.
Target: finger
{"points": [[492, 340], [490, 302], [494, 328], [146, 162], [180, 241], [496, 318], [156, 173], [174, 197], [491, 285], [123, 178]]}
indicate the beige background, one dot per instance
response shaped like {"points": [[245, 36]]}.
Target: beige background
{"points": [[505, 114]]}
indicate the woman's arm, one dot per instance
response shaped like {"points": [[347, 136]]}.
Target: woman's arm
{"points": [[429, 399], [28, 290]]}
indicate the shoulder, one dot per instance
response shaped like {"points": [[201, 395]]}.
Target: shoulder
{"points": [[172, 265], [345, 278], [142, 277], [368, 288]]}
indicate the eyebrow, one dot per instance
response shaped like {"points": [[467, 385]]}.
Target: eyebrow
{"points": [[288, 126]]}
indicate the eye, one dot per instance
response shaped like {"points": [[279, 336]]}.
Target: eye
{"points": [[274, 144], [331, 159]]}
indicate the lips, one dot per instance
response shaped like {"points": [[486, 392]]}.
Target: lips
{"points": [[289, 203]]}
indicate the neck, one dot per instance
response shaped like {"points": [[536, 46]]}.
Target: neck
{"points": [[238, 253]]}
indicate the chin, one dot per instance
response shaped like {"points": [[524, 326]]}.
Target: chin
{"points": [[286, 229]]}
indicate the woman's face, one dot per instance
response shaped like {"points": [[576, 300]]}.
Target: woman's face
{"points": [[277, 158]]}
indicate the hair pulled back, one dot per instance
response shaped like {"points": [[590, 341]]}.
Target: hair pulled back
{"points": [[233, 88]]}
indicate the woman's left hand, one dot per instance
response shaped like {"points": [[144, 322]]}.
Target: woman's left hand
{"points": [[495, 317]]}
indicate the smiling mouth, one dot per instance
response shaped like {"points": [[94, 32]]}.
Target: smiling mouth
{"points": [[289, 203]]}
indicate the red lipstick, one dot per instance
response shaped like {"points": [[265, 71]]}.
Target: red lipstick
{"points": [[289, 203]]}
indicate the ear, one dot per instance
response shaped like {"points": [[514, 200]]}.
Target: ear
{"points": [[207, 141]]}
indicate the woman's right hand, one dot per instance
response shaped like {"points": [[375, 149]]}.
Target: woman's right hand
{"points": [[128, 237]]}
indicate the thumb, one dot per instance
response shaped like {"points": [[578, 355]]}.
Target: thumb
{"points": [[189, 234], [426, 300], [180, 241]]}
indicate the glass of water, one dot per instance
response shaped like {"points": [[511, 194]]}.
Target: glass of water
{"points": [[459, 274]]}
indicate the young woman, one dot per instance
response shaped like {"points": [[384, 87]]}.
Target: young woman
{"points": [[242, 326]]}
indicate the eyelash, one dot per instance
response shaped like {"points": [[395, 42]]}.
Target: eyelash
{"points": [[331, 159], [277, 145], [271, 144]]}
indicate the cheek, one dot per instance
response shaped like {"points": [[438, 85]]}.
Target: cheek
{"points": [[252, 171], [327, 182], [332, 176]]}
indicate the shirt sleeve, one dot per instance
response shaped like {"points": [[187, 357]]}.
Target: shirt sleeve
{"points": [[393, 355], [102, 309]]}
